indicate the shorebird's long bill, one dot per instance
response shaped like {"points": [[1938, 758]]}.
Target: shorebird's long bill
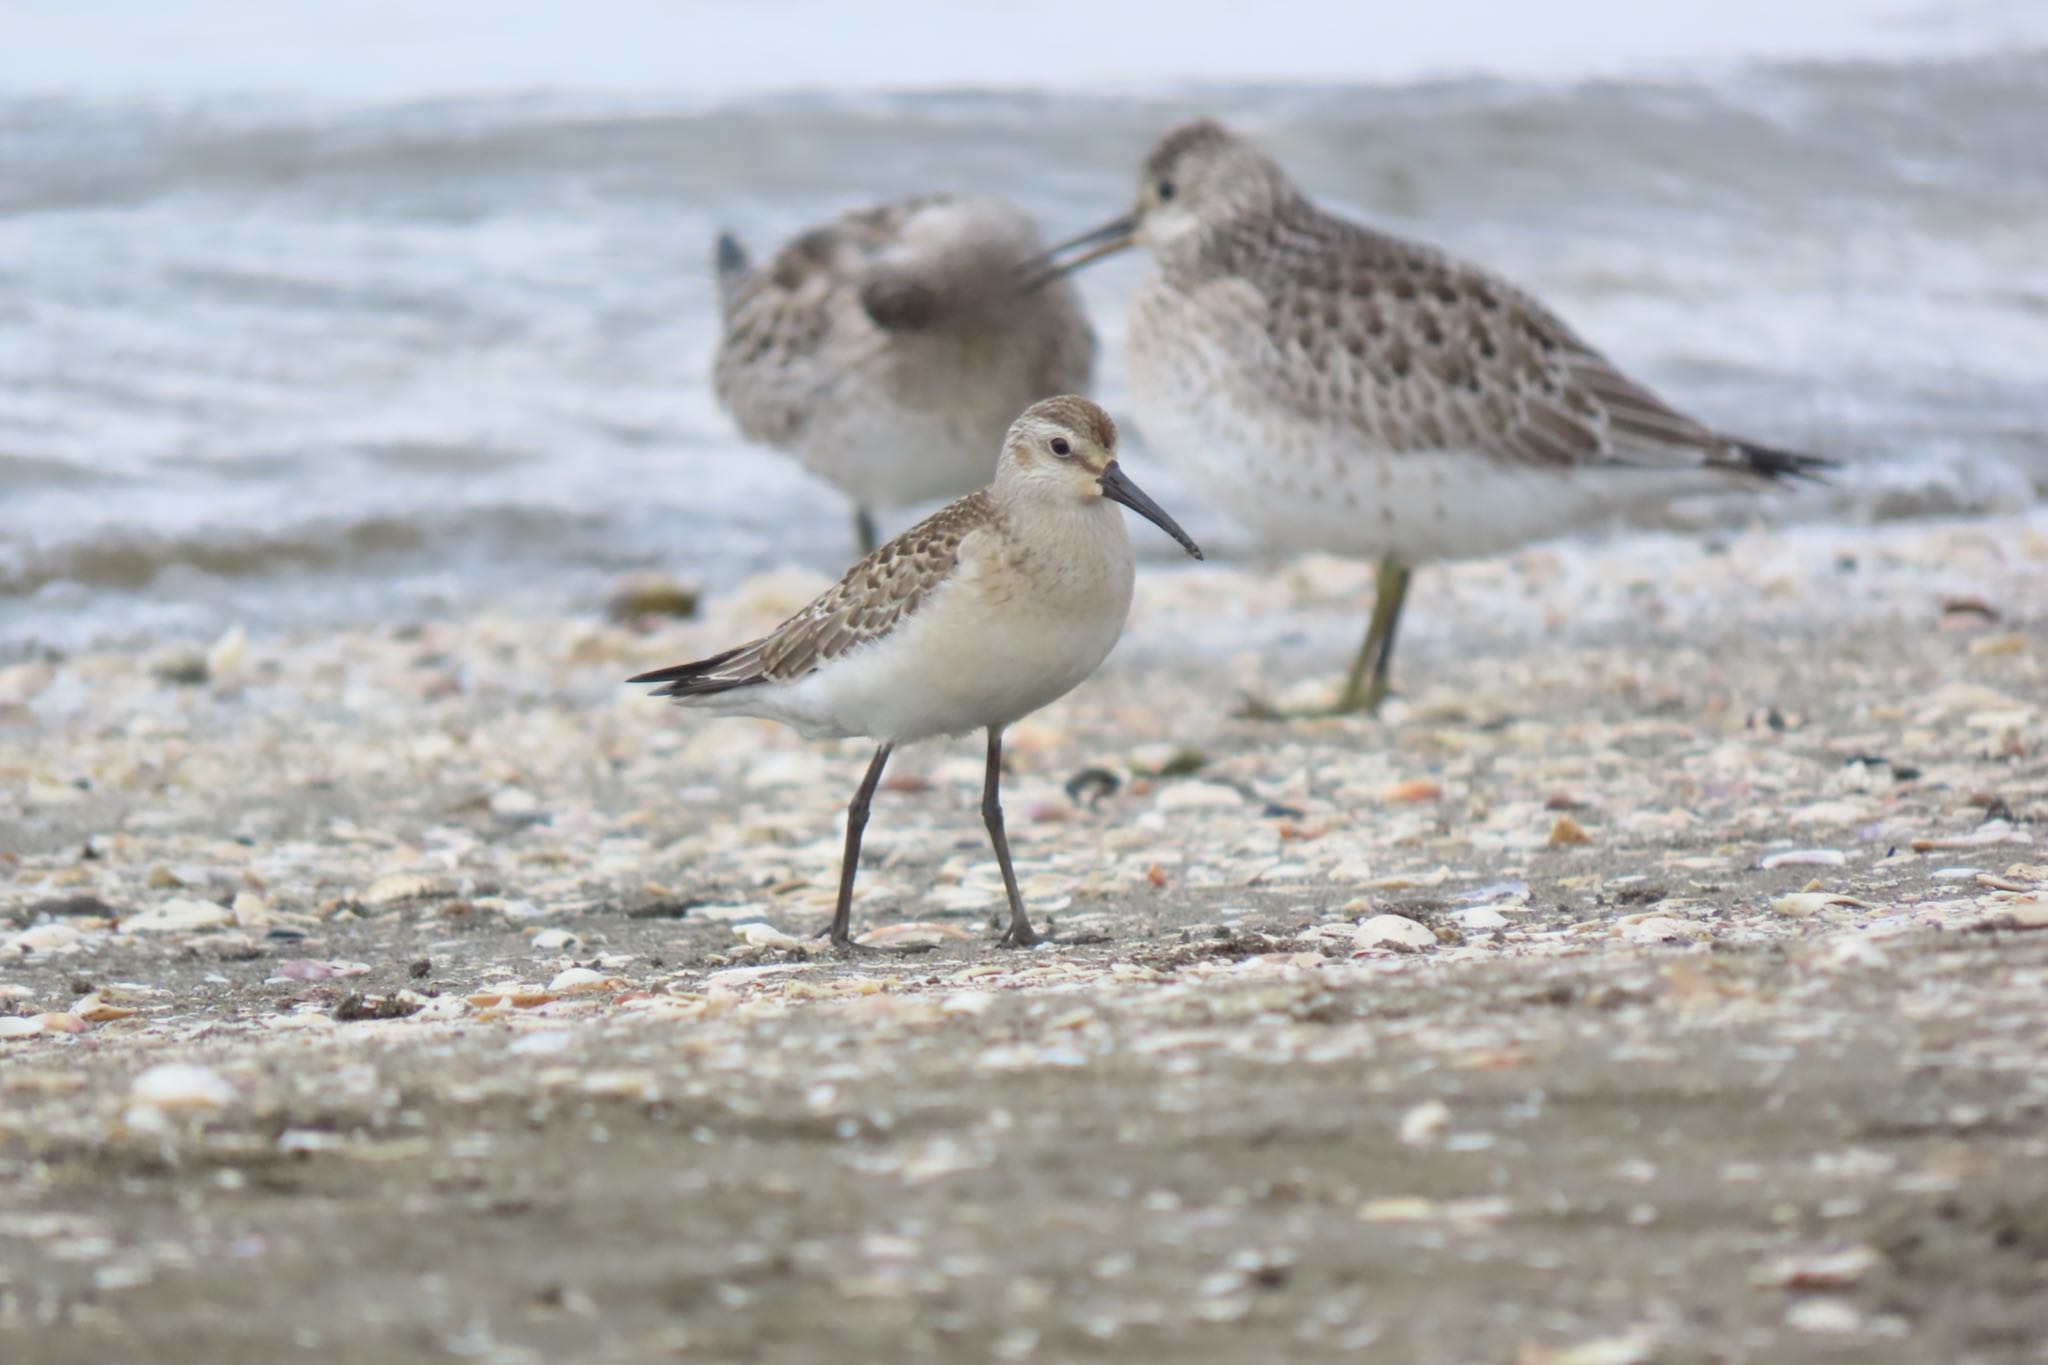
{"points": [[1117, 488], [1112, 237]]}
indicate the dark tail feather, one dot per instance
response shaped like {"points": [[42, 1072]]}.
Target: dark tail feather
{"points": [[697, 679], [732, 264], [1779, 466]]}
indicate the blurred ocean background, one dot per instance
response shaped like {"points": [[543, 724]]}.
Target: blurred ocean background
{"points": [[385, 310]]}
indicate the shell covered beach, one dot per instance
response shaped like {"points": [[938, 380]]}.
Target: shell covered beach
{"points": [[1659, 978]]}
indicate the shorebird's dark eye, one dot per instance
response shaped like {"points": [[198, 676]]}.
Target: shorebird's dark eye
{"points": [[1061, 448], [1165, 190]]}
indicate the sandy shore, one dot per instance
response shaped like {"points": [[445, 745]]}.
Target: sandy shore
{"points": [[1655, 980]]}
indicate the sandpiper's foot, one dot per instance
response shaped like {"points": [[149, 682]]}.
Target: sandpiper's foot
{"points": [[848, 946], [1363, 701], [841, 939], [1020, 936], [1252, 706]]}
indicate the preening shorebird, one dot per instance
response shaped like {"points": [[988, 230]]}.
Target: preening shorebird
{"points": [[889, 349]]}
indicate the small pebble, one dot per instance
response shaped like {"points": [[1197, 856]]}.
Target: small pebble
{"points": [[1199, 796], [650, 594]]}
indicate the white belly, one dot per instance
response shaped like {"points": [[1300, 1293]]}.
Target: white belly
{"points": [[1300, 484], [955, 666], [1298, 493]]}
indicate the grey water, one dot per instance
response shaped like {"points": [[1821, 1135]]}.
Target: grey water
{"points": [[296, 359]]}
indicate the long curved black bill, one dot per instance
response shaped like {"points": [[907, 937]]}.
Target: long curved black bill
{"points": [[1117, 488], [1114, 236]]}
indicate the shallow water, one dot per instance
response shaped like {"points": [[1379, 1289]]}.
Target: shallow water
{"points": [[302, 328]]}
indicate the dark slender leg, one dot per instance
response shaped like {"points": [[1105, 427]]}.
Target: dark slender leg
{"points": [[864, 530], [1020, 933], [856, 821], [1366, 688]]}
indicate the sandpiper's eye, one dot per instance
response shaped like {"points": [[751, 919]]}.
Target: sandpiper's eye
{"points": [[1061, 448], [1165, 189]]}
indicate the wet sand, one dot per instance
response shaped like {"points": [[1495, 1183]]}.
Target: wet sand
{"points": [[1661, 978]]}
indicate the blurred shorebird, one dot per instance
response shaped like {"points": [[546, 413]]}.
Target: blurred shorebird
{"points": [[1340, 389], [978, 615], [889, 349]]}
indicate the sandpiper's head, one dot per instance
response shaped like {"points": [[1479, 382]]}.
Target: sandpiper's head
{"points": [[1200, 174], [1064, 450], [952, 260], [1063, 442]]}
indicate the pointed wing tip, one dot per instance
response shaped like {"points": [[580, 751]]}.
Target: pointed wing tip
{"points": [[1785, 465], [698, 678], [731, 257]]}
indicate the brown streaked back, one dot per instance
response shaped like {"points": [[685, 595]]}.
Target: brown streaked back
{"points": [[1414, 350], [872, 599]]}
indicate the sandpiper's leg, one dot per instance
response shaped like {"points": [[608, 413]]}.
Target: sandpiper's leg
{"points": [[864, 530], [856, 822], [1020, 934], [1366, 688]]}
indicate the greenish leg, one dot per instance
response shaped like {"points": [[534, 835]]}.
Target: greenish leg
{"points": [[1366, 688], [864, 530]]}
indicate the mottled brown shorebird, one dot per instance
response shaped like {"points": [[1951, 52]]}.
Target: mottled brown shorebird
{"points": [[981, 614], [889, 349], [1340, 389]]}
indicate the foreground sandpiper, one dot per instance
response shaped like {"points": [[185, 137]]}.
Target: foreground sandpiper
{"points": [[889, 349], [1343, 390], [981, 614]]}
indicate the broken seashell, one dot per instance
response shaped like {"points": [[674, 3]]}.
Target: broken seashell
{"points": [[1425, 1123], [580, 980], [1393, 931], [178, 916], [395, 887], [1565, 830], [182, 1086], [1415, 791], [760, 934], [1800, 904]]}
